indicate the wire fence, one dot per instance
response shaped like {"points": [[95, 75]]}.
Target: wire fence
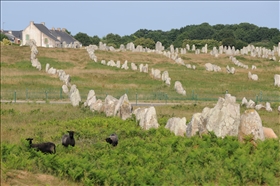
{"points": [[59, 95]]}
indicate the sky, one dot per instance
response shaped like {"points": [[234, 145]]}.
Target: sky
{"points": [[126, 17]]}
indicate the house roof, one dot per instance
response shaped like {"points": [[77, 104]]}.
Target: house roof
{"points": [[10, 36], [63, 35], [46, 31], [17, 34]]}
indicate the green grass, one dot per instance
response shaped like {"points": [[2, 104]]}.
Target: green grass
{"points": [[154, 157], [54, 63]]}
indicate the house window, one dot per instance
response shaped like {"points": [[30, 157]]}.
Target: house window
{"points": [[46, 41], [27, 37]]}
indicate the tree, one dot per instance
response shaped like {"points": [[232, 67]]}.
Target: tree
{"points": [[229, 42], [240, 44], [95, 40], [113, 39], [145, 42], [83, 38]]}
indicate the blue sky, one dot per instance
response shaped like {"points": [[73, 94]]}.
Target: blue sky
{"points": [[126, 17]]}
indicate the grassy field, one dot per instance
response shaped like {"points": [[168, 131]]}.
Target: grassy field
{"points": [[19, 121]]}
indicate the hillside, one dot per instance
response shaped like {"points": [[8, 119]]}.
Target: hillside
{"points": [[154, 157]]}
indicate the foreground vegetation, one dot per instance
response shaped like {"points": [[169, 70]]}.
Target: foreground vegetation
{"points": [[154, 157]]}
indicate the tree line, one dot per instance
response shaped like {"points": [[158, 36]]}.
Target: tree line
{"points": [[237, 35]]}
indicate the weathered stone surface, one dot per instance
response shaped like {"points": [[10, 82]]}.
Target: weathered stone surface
{"points": [[52, 71], [75, 97], [253, 77], [139, 113], [196, 125], [230, 70], [212, 67], [244, 101], [111, 63], [179, 88], [123, 108], [251, 123], [269, 133], [97, 106], [156, 73], [164, 75], [251, 104], [103, 62], [141, 67], [110, 105], [224, 118], [133, 66], [259, 106], [149, 119], [168, 81], [91, 98], [118, 64], [125, 66], [268, 107], [47, 67], [145, 68], [65, 89], [177, 125], [277, 80]]}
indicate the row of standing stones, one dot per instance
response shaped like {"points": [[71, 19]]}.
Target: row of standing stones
{"points": [[223, 119]]}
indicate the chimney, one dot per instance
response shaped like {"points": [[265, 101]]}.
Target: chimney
{"points": [[63, 30], [53, 28], [43, 23], [31, 22], [58, 29]]}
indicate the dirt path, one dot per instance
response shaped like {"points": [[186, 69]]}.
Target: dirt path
{"points": [[24, 178]]}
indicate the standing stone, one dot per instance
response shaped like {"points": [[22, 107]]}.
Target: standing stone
{"points": [[149, 119], [179, 88], [268, 107], [97, 106], [123, 108], [171, 49], [224, 118], [65, 89], [251, 123], [75, 97], [47, 67], [177, 125], [109, 105], [277, 80], [141, 67], [133, 66], [91, 98], [164, 75], [195, 125], [251, 104]]}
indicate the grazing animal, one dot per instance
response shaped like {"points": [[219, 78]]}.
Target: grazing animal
{"points": [[68, 139], [112, 139], [46, 147]]}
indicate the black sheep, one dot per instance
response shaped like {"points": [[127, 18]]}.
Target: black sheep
{"points": [[112, 139], [68, 139], [46, 147]]}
